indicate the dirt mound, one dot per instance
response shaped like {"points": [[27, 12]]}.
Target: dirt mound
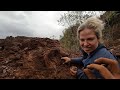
{"points": [[33, 58]]}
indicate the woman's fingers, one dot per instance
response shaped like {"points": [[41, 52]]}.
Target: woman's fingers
{"points": [[89, 73]]}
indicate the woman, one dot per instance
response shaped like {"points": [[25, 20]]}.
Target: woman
{"points": [[90, 38]]}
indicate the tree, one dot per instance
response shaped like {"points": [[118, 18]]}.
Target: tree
{"points": [[111, 33], [72, 18], [69, 38]]}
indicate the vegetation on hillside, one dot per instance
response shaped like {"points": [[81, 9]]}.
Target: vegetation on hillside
{"points": [[69, 38], [111, 33]]}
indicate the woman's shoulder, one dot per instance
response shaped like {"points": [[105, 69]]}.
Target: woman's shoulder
{"points": [[103, 52]]}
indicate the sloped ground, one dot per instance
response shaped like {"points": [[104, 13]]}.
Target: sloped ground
{"points": [[33, 58], [36, 58]]}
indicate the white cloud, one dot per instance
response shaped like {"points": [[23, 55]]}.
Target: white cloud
{"points": [[30, 23]]}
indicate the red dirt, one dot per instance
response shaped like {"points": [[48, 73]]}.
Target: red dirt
{"points": [[33, 58], [36, 58]]}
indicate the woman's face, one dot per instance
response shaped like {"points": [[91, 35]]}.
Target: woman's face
{"points": [[88, 40]]}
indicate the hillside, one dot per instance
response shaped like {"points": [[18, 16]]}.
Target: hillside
{"points": [[33, 58], [111, 33]]}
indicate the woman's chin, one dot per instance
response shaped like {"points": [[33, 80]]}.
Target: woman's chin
{"points": [[87, 51]]}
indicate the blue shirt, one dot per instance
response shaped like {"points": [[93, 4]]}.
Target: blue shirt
{"points": [[100, 51]]}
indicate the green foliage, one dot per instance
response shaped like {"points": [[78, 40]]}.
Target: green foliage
{"points": [[112, 21], [69, 39], [112, 17]]}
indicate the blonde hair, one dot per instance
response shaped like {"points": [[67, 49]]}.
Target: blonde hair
{"points": [[93, 23]]}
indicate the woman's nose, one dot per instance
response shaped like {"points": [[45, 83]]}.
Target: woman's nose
{"points": [[86, 43]]}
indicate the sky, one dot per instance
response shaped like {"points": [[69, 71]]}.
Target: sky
{"points": [[31, 24]]}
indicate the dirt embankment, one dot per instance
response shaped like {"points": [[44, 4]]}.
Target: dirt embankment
{"points": [[36, 58], [33, 58]]}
